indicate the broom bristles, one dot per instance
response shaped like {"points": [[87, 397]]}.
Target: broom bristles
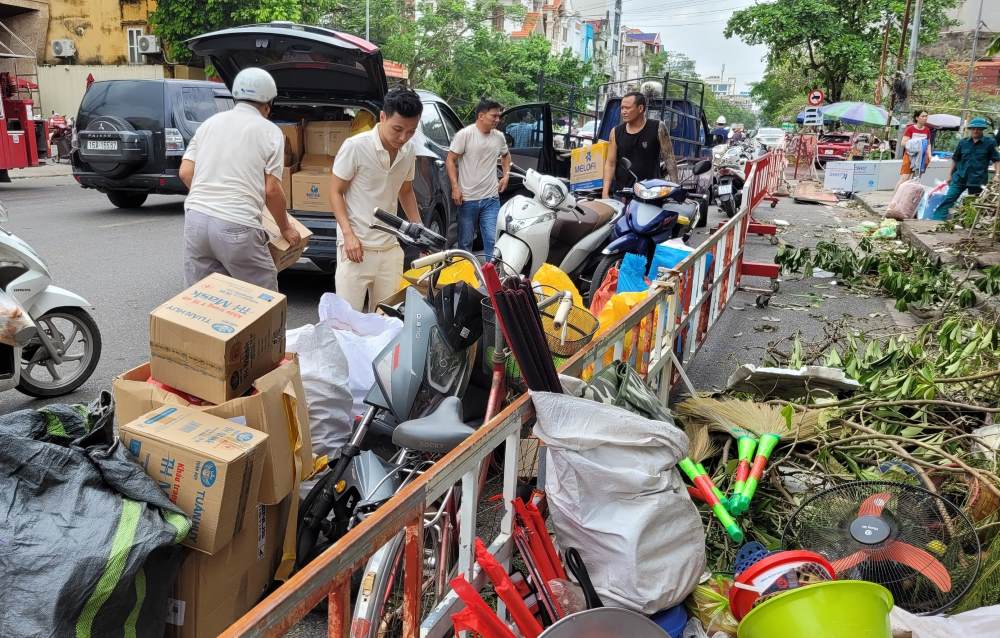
{"points": [[758, 418], [700, 446]]}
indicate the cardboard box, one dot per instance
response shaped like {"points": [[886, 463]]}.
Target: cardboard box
{"points": [[325, 138], [587, 166], [311, 190], [216, 337], [213, 592], [286, 185], [293, 142], [209, 466], [317, 162], [277, 407], [283, 253]]}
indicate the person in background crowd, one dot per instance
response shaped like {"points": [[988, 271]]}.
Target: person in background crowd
{"points": [[918, 130], [472, 168], [858, 149], [720, 133], [232, 168], [645, 142], [970, 165], [373, 170]]}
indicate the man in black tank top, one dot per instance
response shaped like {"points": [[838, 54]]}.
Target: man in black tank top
{"points": [[646, 143]]}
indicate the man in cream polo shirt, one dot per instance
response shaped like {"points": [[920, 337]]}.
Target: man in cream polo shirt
{"points": [[374, 170]]}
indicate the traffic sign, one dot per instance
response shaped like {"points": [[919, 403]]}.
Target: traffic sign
{"points": [[816, 97]]}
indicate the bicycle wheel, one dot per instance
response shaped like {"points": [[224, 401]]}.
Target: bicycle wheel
{"points": [[378, 611]]}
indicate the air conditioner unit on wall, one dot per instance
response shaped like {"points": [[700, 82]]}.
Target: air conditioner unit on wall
{"points": [[149, 44], [63, 48]]}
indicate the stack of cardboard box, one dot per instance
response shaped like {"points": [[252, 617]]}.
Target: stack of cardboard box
{"points": [[311, 184], [233, 460]]}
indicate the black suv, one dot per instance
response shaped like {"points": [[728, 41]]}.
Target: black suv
{"points": [[131, 135], [325, 75]]}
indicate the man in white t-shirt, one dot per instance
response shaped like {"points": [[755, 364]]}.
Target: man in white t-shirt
{"points": [[232, 169], [373, 170], [472, 167]]}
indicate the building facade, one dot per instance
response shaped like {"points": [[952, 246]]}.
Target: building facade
{"points": [[98, 32]]}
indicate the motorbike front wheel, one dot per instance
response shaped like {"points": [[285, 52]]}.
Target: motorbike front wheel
{"points": [[74, 334]]}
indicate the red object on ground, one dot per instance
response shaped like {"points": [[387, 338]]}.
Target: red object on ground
{"points": [[507, 591], [477, 615], [741, 600]]}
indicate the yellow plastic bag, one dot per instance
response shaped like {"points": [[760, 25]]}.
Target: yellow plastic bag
{"points": [[616, 309], [549, 275], [458, 271], [363, 121]]}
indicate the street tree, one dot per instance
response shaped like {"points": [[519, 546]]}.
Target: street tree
{"points": [[833, 44]]}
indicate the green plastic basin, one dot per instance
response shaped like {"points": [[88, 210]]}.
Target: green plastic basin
{"points": [[836, 609]]}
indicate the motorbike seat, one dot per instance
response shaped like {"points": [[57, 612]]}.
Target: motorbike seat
{"points": [[437, 433], [571, 227]]}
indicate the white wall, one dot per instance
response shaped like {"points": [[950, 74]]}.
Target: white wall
{"points": [[967, 12], [61, 87]]}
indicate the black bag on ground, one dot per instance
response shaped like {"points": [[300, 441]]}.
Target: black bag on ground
{"points": [[90, 544]]}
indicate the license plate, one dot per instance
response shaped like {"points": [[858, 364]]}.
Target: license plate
{"points": [[725, 189], [828, 152], [102, 145]]}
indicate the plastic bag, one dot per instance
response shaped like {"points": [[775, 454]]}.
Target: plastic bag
{"points": [[326, 379], [709, 603], [668, 255], [13, 319], [569, 595], [549, 275], [976, 622], [362, 337], [614, 493], [931, 201], [605, 292], [632, 274], [905, 200]]}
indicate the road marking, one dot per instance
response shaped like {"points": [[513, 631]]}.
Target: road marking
{"points": [[133, 223]]}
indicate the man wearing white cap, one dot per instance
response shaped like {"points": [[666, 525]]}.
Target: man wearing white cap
{"points": [[232, 169]]}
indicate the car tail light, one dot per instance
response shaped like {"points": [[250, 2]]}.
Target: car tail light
{"points": [[174, 141]]}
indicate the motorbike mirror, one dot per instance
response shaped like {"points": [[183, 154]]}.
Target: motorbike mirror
{"points": [[702, 167], [625, 163]]}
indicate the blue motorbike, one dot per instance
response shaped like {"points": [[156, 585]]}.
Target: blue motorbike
{"points": [[657, 210]]}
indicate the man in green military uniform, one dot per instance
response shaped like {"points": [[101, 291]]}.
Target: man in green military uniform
{"points": [[970, 165]]}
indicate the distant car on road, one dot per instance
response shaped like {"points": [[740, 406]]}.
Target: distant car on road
{"points": [[131, 134], [836, 147]]}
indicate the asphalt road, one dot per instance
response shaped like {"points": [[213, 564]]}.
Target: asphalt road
{"points": [[125, 262]]}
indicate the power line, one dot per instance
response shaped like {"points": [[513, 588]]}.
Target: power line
{"points": [[659, 11], [657, 8]]}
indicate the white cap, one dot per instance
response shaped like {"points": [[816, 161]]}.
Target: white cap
{"points": [[721, 120], [255, 85]]}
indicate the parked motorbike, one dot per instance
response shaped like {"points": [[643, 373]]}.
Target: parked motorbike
{"points": [[554, 226], [657, 210], [730, 170], [63, 351], [417, 377], [61, 135]]}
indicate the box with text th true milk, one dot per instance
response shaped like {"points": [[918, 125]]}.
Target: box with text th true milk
{"points": [[208, 466], [215, 338]]}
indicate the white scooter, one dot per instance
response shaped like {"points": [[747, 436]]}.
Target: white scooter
{"points": [[555, 227], [61, 352]]}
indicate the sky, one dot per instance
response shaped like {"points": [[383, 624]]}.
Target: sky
{"points": [[694, 27]]}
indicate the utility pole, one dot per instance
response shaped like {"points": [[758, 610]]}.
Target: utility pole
{"points": [[911, 61], [899, 68], [972, 68], [881, 65], [368, 20]]}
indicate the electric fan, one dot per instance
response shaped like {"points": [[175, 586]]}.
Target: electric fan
{"points": [[919, 546]]}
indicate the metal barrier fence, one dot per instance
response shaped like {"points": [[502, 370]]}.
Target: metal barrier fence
{"points": [[658, 338]]}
